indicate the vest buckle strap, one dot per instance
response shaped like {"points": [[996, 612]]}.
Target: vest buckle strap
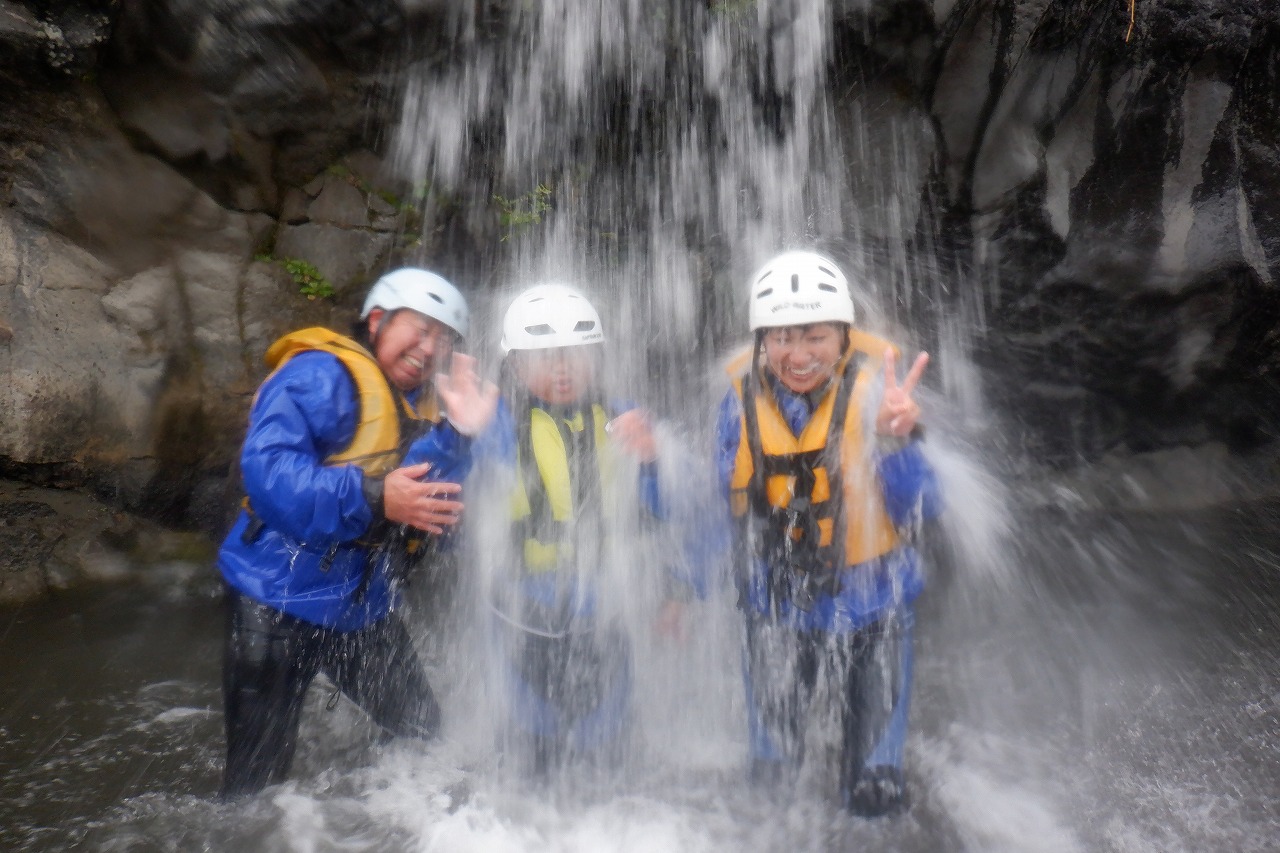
{"points": [[253, 529], [330, 554], [800, 568], [800, 588]]}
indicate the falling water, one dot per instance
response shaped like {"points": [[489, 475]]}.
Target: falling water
{"points": [[1082, 681], [667, 152]]}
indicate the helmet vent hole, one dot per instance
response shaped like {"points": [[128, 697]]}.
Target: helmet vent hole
{"points": [[827, 271], [436, 298], [795, 283], [540, 329], [829, 288], [762, 294], [585, 326]]}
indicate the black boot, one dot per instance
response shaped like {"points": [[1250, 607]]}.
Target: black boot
{"points": [[765, 773], [879, 791]]}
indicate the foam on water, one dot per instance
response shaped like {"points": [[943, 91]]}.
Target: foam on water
{"points": [[1083, 683]]}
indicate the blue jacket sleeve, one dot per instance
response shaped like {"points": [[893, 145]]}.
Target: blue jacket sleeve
{"points": [[649, 484], [702, 524], [728, 435], [496, 445], [304, 412], [448, 451], [910, 485]]}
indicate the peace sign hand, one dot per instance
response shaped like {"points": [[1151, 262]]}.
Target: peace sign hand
{"points": [[469, 406], [898, 412]]}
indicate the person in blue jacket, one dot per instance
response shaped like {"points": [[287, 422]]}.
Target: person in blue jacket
{"points": [[558, 445], [820, 463], [309, 566]]}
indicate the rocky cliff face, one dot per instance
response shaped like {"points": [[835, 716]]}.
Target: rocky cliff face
{"points": [[180, 177], [1110, 176]]}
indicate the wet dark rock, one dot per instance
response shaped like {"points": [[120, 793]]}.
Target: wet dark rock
{"points": [[54, 38], [142, 178], [1102, 198], [53, 539], [24, 543]]}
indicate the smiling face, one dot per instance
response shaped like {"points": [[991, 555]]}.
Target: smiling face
{"points": [[409, 345], [558, 376], [804, 357]]}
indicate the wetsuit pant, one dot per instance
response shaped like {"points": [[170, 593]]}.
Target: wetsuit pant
{"points": [[867, 672], [269, 661], [571, 695]]}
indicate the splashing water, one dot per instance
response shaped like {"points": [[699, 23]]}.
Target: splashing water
{"points": [[1085, 680]]}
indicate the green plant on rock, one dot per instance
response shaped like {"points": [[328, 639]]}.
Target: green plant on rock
{"points": [[310, 281], [524, 210], [338, 170], [733, 8]]}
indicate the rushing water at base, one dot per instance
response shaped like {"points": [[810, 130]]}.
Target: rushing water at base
{"points": [[1122, 695], [1083, 682]]}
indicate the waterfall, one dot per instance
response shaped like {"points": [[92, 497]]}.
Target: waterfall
{"points": [[1090, 676], [654, 156]]}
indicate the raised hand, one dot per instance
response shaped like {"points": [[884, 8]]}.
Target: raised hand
{"points": [[426, 506], [469, 405], [670, 624], [634, 434], [898, 411]]}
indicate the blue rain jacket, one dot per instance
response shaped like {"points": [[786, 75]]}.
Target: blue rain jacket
{"points": [[497, 445], [309, 558], [868, 590]]}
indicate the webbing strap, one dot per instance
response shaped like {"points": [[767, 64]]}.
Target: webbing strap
{"points": [[540, 516], [835, 474], [580, 447], [757, 497], [584, 475], [792, 531]]}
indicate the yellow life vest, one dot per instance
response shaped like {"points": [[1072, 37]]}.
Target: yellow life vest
{"points": [[546, 496], [790, 462], [375, 447]]}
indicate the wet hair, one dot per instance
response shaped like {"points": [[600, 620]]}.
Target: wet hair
{"points": [[845, 332], [360, 332]]}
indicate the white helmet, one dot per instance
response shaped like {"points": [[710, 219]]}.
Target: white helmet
{"points": [[550, 315], [421, 291], [798, 288]]}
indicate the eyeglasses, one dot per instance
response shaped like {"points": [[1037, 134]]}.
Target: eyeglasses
{"points": [[437, 334], [792, 338]]}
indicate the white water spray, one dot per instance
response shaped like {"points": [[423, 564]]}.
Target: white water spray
{"points": [[659, 176], [1082, 682]]}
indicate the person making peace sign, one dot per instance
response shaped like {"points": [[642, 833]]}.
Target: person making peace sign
{"points": [[824, 500]]}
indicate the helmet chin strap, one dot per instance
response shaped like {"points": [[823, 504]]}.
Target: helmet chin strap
{"points": [[757, 374]]}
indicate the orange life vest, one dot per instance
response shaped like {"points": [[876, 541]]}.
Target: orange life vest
{"points": [[375, 447], [776, 470]]}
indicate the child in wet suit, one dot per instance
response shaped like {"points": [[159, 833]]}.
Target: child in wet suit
{"points": [[563, 450], [825, 481]]}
